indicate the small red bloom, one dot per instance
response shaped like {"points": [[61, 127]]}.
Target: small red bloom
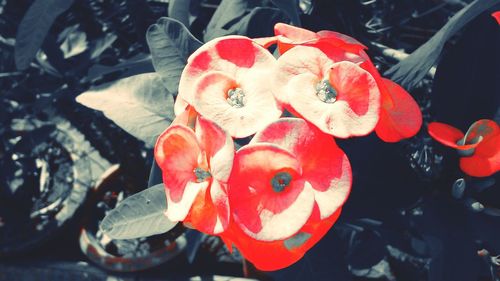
{"points": [[480, 146], [291, 179], [196, 166], [227, 80]]}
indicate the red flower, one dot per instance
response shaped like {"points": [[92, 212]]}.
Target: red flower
{"points": [[196, 166], [227, 80], [285, 192], [480, 146], [400, 115]]}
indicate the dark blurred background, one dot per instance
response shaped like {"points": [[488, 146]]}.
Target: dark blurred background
{"points": [[63, 165]]}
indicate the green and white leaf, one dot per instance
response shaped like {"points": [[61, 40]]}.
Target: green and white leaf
{"points": [[138, 104], [170, 43], [139, 215]]}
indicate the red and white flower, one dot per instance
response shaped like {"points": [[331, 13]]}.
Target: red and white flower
{"points": [[400, 115], [294, 176], [285, 192], [227, 80], [335, 94], [196, 166]]}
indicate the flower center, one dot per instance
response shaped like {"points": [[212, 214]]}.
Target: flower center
{"points": [[236, 97], [325, 91], [280, 181], [201, 175]]}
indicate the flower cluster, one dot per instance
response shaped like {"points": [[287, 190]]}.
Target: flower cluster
{"points": [[479, 147], [277, 196]]}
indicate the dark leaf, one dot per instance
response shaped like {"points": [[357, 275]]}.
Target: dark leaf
{"points": [[142, 17], [170, 43], [193, 244], [227, 15], [258, 23], [34, 27], [138, 64], [462, 95], [179, 10], [291, 8], [139, 215], [100, 45], [74, 41], [139, 104], [411, 70], [458, 188]]}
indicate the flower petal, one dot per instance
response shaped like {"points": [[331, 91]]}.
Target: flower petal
{"points": [[177, 152], [187, 118], [293, 33], [259, 208], [259, 109], [486, 159], [178, 208], [327, 169], [342, 41], [298, 61], [269, 256], [290, 36], [355, 110], [400, 115], [445, 134], [496, 16], [481, 130], [218, 146], [228, 54], [266, 42], [210, 210]]}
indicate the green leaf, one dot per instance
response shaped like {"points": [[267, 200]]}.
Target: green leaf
{"points": [[139, 215], [412, 69], [291, 8], [139, 104], [34, 27], [170, 43]]}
